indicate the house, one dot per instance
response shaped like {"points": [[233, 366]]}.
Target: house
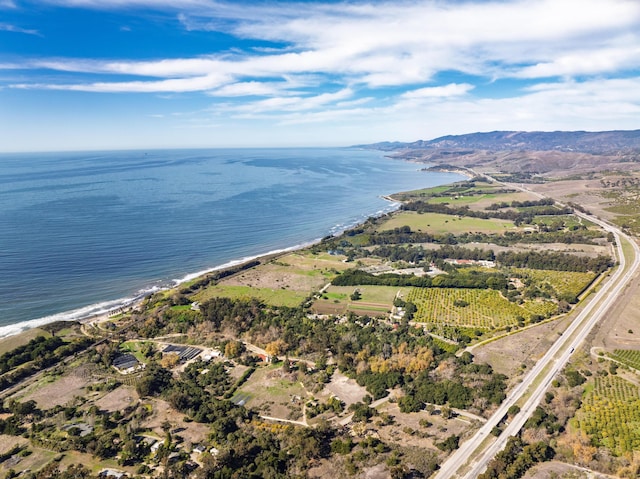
{"points": [[199, 449], [112, 473]]}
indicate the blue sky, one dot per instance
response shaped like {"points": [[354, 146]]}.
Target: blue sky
{"points": [[118, 74]]}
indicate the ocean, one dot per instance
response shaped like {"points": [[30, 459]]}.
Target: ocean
{"points": [[85, 232]]}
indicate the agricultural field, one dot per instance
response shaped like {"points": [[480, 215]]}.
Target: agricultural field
{"points": [[374, 301], [610, 414], [284, 281], [562, 282], [473, 308], [628, 357], [441, 223], [274, 297]]}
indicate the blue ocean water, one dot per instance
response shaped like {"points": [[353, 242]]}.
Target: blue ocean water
{"points": [[81, 233]]}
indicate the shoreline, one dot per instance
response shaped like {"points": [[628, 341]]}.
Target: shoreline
{"points": [[102, 311]]}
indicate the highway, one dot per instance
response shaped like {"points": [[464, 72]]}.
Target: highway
{"points": [[545, 370]]}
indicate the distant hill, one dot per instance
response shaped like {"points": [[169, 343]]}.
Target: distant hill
{"points": [[538, 152], [602, 142]]}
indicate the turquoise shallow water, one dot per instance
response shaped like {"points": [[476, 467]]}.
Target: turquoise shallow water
{"points": [[81, 233]]}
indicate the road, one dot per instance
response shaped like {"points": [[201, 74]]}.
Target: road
{"points": [[545, 370]]}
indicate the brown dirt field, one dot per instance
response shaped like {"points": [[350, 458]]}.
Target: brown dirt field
{"points": [[57, 393], [275, 393], [191, 432], [506, 355], [399, 432], [613, 332], [118, 399], [295, 271], [582, 192], [559, 470], [348, 390], [7, 442]]}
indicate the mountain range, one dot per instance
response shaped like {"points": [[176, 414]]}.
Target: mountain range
{"points": [[520, 151]]}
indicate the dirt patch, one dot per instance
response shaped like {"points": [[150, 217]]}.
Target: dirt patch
{"points": [[8, 442], [118, 399], [274, 393], [508, 354], [296, 271], [190, 432], [560, 470], [59, 392], [406, 429], [621, 326], [348, 390]]}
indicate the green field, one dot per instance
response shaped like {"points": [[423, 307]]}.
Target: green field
{"points": [[485, 309], [562, 282], [610, 415], [440, 223], [274, 297], [375, 300]]}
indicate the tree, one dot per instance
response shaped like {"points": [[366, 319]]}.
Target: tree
{"points": [[276, 348], [233, 349]]}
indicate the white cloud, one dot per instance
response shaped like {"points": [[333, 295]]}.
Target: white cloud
{"points": [[450, 90], [586, 62], [296, 103], [401, 70], [173, 85], [13, 28], [394, 43]]}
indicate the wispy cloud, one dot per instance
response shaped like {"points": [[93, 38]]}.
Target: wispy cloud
{"points": [[445, 91], [13, 28], [376, 70], [389, 44]]}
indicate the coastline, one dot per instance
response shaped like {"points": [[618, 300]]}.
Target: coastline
{"points": [[126, 298], [102, 311]]}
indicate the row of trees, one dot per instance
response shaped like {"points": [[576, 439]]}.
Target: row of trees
{"points": [[552, 260], [49, 352], [511, 215], [457, 278]]}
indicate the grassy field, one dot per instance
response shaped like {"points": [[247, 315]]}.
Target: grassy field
{"points": [[274, 297], [271, 391], [440, 223], [375, 300]]}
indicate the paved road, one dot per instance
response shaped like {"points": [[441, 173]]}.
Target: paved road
{"points": [[552, 362]]}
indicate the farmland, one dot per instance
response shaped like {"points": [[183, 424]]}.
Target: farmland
{"points": [[374, 300], [628, 357], [473, 308], [610, 414], [442, 223], [564, 283]]}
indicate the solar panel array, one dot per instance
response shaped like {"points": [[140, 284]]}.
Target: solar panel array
{"points": [[185, 352], [125, 361]]}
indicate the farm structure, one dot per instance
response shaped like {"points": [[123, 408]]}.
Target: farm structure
{"points": [[127, 363], [186, 353]]}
